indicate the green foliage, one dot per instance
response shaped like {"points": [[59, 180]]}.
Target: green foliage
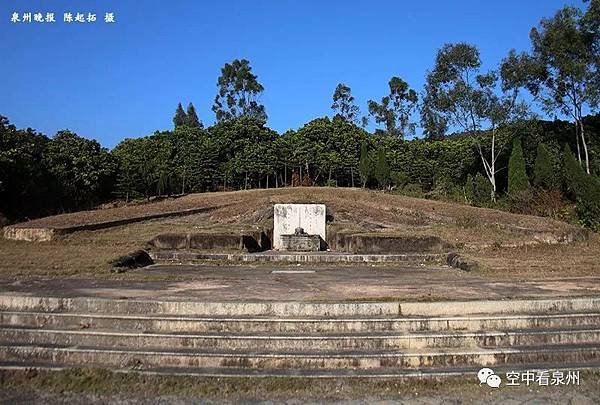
{"points": [[81, 168], [365, 164], [517, 175], [398, 179], [412, 190], [395, 109], [469, 190], [482, 191], [563, 71], [584, 188], [180, 118], [25, 186], [245, 155], [344, 105], [192, 120], [382, 169], [238, 94], [544, 171]]}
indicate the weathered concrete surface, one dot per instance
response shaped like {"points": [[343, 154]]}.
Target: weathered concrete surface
{"points": [[30, 234], [183, 257], [288, 217], [328, 283], [388, 244], [157, 334], [301, 243], [250, 242], [169, 306]]}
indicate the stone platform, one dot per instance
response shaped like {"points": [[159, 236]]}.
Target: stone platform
{"points": [[256, 320], [299, 339], [259, 281]]}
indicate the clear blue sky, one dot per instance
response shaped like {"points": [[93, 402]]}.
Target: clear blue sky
{"points": [[122, 80]]}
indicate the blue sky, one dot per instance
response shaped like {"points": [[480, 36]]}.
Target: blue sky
{"points": [[111, 81]]}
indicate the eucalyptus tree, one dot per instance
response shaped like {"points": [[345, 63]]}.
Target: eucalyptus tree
{"points": [[239, 93], [344, 105], [563, 67], [395, 109], [459, 93]]}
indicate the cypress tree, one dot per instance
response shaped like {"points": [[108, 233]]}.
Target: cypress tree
{"points": [[180, 118], [543, 170], [517, 176], [364, 164], [192, 120], [382, 170]]}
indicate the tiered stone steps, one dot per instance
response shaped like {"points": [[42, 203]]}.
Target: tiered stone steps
{"points": [[367, 339]]}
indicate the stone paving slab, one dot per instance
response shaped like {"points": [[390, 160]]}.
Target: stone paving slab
{"points": [[311, 283]]}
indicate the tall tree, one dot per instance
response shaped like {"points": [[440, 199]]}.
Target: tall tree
{"points": [[462, 95], [364, 165], [343, 104], [192, 120], [517, 175], [180, 118], [544, 170], [564, 67], [239, 93], [382, 169], [434, 124], [395, 109]]}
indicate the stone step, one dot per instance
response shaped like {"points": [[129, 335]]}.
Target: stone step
{"points": [[468, 373], [174, 256], [406, 359], [9, 302], [174, 324], [301, 343]]}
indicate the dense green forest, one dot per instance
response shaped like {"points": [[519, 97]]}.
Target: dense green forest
{"points": [[481, 143]]}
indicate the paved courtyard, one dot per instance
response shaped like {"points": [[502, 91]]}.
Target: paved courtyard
{"points": [[305, 283]]}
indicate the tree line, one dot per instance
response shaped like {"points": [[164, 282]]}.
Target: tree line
{"points": [[486, 112]]}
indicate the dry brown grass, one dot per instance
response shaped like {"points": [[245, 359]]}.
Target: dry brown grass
{"points": [[481, 233]]}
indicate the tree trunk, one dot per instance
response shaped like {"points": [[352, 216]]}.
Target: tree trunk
{"points": [[246, 181], [577, 140], [585, 149], [352, 176], [285, 175], [490, 167]]}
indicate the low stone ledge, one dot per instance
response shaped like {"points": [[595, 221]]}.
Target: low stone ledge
{"points": [[29, 233], [182, 256], [392, 244], [249, 242]]}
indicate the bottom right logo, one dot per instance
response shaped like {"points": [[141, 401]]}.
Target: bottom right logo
{"points": [[487, 376]]}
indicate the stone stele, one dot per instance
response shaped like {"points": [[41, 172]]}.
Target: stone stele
{"points": [[288, 217]]}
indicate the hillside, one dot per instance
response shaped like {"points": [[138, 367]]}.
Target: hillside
{"points": [[482, 233]]}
